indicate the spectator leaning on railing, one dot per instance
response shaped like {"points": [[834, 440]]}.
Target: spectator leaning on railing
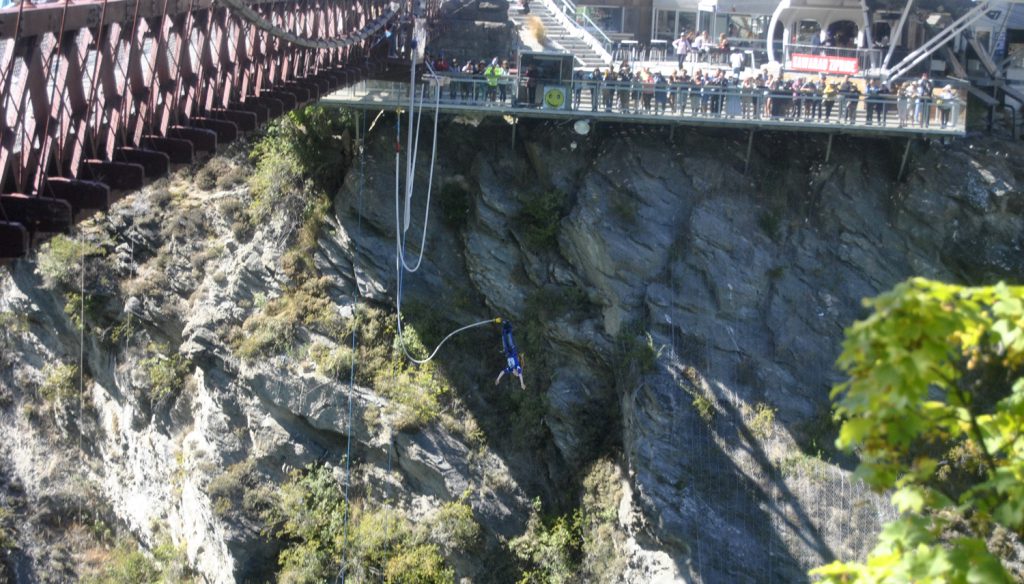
{"points": [[945, 102]]}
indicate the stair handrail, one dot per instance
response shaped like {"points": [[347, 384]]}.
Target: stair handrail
{"points": [[603, 46]]}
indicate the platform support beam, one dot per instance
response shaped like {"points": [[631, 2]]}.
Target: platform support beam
{"points": [[750, 148], [903, 163]]}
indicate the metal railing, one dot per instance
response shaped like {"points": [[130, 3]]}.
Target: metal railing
{"points": [[589, 29], [677, 100]]}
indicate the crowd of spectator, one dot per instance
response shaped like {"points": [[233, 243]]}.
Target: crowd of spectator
{"points": [[716, 92]]}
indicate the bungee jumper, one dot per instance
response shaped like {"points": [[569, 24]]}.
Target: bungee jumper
{"points": [[512, 363]]}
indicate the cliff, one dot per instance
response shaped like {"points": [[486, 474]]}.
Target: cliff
{"points": [[678, 323]]}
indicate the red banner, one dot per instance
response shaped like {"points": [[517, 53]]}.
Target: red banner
{"points": [[823, 64]]}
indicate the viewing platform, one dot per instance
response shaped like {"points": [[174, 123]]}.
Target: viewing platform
{"points": [[679, 105]]}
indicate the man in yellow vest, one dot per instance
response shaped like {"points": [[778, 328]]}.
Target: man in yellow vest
{"points": [[492, 74]]}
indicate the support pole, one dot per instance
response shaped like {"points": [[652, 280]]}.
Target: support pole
{"points": [[903, 163], [750, 146], [895, 36], [828, 150], [671, 132], [515, 122]]}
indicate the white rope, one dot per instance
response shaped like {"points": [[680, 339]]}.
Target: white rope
{"points": [[410, 179], [401, 265]]}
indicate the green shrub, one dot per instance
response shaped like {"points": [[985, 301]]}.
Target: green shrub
{"points": [[636, 354], [705, 408], [539, 218], [771, 223], [603, 541], [59, 382], [126, 563], [414, 397], [763, 421], [164, 375], [456, 204], [335, 363], [310, 514], [11, 326], [551, 549], [232, 487], [420, 564], [275, 327], [7, 540], [60, 261], [453, 527], [298, 160]]}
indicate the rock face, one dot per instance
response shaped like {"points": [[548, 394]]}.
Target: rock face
{"points": [[678, 316]]}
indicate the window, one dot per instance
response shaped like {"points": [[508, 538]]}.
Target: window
{"points": [[742, 26], [607, 18], [807, 32], [665, 25], [668, 24]]}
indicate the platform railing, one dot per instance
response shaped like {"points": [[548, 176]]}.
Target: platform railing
{"points": [[679, 100]]}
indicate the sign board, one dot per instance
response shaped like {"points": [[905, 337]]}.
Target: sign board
{"points": [[555, 97], [823, 64]]}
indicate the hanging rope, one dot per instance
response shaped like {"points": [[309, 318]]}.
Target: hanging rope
{"points": [[81, 359], [352, 371], [401, 228]]}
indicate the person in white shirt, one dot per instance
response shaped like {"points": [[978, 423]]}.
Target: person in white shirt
{"points": [[736, 61]]}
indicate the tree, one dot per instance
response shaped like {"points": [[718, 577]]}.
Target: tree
{"points": [[934, 406]]}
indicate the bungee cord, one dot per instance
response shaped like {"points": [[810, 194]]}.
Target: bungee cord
{"points": [[401, 228]]}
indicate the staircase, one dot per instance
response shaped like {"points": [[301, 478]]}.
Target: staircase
{"points": [[560, 35]]}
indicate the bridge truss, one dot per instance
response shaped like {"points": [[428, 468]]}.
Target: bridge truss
{"points": [[99, 96]]}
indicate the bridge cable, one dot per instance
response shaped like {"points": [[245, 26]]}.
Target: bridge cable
{"points": [[247, 13]]}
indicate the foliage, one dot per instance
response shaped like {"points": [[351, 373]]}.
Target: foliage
{"points": [[603, 559], [415, 393], [536, 26], [164, 375], [935, 369], [7, 540], [453, 527], [298, 159], [59, 381], [219, 173], [762, 422], [551, 548], [335, 363], [704, 406], [275, 327], [60, 260], [311, 514], [456, 204], [420, 564], [415, 396], [237, 484], [11, 325], [635, 355], [539, 217], [127, 563]]}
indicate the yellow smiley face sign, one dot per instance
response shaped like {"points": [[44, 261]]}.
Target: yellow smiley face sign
{"points": [[554, 97]]}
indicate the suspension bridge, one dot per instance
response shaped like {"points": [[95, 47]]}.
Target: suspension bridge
{"points": [[102, 95]]}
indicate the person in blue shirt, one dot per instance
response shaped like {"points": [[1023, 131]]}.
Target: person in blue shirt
{"points": [[512, 363]]}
